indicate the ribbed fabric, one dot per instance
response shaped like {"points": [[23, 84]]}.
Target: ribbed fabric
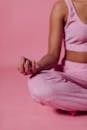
{"points": [[75, 30]]}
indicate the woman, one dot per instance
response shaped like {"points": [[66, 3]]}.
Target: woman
{"points": [[65, 89]]}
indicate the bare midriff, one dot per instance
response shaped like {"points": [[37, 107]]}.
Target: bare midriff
{"points": [[74, 56]]}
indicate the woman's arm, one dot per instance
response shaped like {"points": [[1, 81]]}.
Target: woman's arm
{"points": [[56, 26], [55, 37]]}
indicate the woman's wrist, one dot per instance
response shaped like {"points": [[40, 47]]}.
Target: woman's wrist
{"points": [[38, 67]]}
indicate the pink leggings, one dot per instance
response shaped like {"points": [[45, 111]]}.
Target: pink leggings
{"points": [[65, 90]]}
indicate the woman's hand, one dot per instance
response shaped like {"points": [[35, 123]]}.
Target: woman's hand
{"points": [[27, 66]]}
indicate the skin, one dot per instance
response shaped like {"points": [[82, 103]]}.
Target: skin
{"points": [[57, 21]]}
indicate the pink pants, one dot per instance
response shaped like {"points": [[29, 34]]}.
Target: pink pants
{"points": [[65, 90]]}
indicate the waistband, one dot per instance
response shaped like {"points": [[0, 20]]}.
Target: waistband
{"points": [[77, 71], [70, 65]]}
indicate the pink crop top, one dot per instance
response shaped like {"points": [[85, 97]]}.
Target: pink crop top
{"points": [[75, 31]]}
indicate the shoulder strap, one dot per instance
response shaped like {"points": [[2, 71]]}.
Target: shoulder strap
{"points": [[71, 12], [70, 5]]}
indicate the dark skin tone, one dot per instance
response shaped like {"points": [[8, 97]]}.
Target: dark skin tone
{"points": [[57, 21]]}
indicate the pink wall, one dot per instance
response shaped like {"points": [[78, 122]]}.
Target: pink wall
{"points": [[24, 26]]}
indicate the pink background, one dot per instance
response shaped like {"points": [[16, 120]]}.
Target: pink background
{"points": [[24, 29], [24, 26]]}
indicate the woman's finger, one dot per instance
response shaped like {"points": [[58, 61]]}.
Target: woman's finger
{"points": [[21, 65], [27, 67], [34, 66]]}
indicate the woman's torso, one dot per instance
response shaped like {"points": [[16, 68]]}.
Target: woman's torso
{"points": [[77, 51]]}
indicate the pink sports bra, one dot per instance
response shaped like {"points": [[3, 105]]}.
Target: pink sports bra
{"points": [[75, 31]]}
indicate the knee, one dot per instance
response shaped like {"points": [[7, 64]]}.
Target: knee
{"points": [[39, 89]]}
